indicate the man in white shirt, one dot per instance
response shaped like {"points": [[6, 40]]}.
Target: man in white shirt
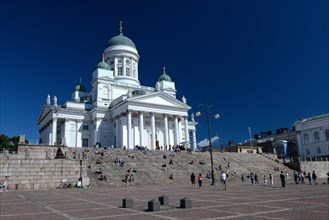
{"points": [[223, 180]]}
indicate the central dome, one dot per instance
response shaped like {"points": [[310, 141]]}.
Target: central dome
{"points": [[120, 40]]}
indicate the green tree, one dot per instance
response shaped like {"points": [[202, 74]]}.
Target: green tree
{"points": [[8, 143], [4, 141]]}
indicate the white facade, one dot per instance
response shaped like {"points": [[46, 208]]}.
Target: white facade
{"points": [[119, 112], [313, 136]]}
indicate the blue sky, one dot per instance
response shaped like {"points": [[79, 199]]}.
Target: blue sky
{"points": [[261, 64]]}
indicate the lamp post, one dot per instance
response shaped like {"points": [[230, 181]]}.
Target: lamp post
{"points": [[249, 128], [207, 108]]}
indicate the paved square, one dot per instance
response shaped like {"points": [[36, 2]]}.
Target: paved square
{"points": [[240, 201]]}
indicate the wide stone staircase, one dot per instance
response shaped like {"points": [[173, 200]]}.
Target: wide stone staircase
{"points": [[150, 171]]}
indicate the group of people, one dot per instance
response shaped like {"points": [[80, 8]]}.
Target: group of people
{"points": [[120, 161], [129, 176], [193, 178], [299, 178]]}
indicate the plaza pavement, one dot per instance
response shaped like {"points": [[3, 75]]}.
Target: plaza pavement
{"points": [[240, 201]]}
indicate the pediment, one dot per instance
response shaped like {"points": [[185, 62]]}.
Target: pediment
{"points": [[159, 98], [44, 112]]}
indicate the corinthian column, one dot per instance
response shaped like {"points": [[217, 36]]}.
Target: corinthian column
{"points": [[176, 131], [153, 131], [54, 132], [186, 133], [141, 128], [129, 131], [166, 140], [194, 138]]}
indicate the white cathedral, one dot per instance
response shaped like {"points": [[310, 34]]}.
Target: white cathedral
{"points": [[119, 112]]}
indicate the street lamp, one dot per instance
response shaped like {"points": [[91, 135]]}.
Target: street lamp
{"points": [[249, 128], [217, 116]]}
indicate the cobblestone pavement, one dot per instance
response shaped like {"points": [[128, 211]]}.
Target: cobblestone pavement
{"points": [[240, 201]]}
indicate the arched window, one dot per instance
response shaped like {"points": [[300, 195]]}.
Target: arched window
{"points": [[316, 137], [306, 139], [105, 92], [327, 134]]}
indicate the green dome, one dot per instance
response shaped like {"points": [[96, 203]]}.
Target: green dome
{"points": [[103, 65], [164, 76], [120, 40], [80, 88]]}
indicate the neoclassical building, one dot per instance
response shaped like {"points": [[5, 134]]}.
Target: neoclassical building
{"points": [[313, 136], [118, 111]]}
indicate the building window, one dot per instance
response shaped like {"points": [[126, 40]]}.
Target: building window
{"points": [[319, 150], [127, 71], [84, 142], [119, 61], [308, 151], [316, 137], [134, 73], [105, 92], [306, 139], [327, 134], [85, 127], [119, 71]]}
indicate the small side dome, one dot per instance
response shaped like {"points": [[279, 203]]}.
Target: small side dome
{"points": [[103, 65], [164, 76], [79, 88]]}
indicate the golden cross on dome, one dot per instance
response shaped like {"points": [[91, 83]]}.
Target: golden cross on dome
{"points": [[80, 80], [164, 70], [120, 28], [103, 57]]}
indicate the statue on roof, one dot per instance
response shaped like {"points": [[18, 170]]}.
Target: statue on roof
{"points": [[55, 102], [157, 86], [184, 99], [192, 117], [48, 99], [129, 93]]}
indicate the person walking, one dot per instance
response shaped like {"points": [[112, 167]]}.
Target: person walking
{"points": [[200, 180], [223, 180], [283, 179], [314, 178], [271, 179], [309, 177], [287, 176], [265, 180], [252, 178], [192, 178], [256, 179], [242, 177]]}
